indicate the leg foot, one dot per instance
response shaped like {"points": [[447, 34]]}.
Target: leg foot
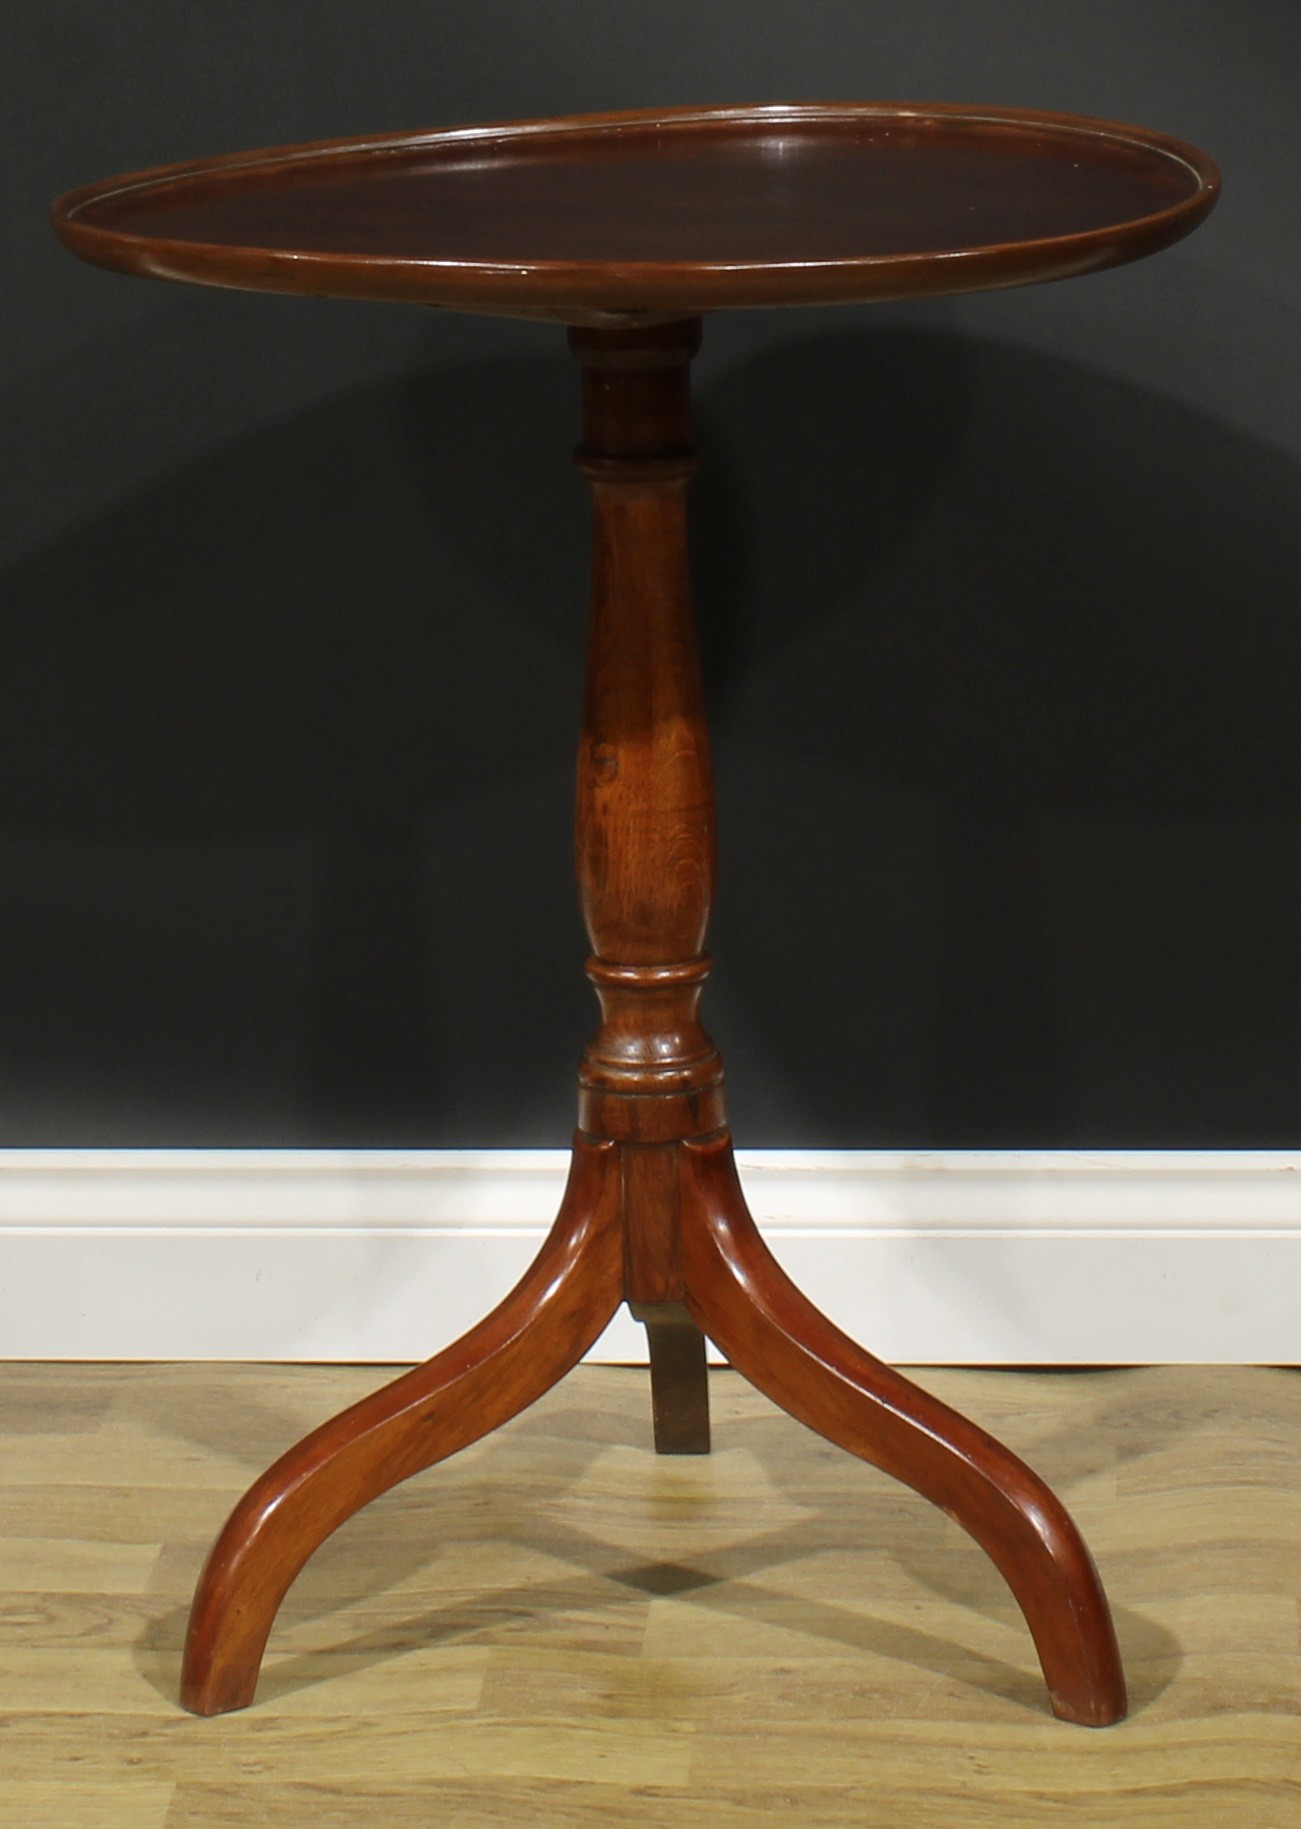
{"points": [[741, 1297], [496, 1370], [679, 1379]]}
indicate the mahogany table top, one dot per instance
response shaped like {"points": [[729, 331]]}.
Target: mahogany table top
{"points": [[663, 213]]}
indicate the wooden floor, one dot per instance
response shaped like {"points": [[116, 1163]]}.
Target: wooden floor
{"points": [[558, 1628]]}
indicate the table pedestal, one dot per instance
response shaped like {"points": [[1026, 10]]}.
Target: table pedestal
{"points": [[653, 1213]]}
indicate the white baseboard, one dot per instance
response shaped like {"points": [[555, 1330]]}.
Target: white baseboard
{"points": [[977, 1257]]}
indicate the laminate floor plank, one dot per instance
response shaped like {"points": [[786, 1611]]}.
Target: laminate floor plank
{"points": [[85, 1567], [558, 1627], [60, 1804]]}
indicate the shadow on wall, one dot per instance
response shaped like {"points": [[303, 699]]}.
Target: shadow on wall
{"points": [[284, 796]]}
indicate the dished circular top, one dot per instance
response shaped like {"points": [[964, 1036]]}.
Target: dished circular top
{"points": [[660, 213]]}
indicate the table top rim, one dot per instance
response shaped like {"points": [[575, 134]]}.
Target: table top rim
{"points": [[579, 290]]}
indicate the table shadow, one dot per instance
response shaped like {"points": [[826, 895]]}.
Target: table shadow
{"points": [[844, 1507]]}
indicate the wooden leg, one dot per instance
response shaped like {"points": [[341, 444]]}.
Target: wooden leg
{"points": [[679, 1379], [652, 1078], [496, 1370], [741, 1297], [648, 1217]]}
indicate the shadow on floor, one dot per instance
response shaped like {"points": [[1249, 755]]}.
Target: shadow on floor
{"points": [[535, 1483]]}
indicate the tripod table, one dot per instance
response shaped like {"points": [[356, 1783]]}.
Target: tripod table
{"points": [[627, 228]]}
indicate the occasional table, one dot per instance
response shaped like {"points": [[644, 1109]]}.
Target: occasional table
{"points": [[627, 228]]}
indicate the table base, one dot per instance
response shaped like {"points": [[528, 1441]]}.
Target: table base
{"points": [[653, 1213]]}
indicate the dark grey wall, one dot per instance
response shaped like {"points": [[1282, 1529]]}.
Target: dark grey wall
{"points": [[1000, 599]]}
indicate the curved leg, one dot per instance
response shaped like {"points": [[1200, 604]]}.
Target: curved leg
{"points": [[501, 1366], [742, 1298]]}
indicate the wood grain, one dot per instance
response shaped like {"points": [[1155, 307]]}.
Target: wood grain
{"points": [[791, 1352], [595, 1635], [632, 218], [652, 1080], [665, 211], [644, 804], [537, 1334]]}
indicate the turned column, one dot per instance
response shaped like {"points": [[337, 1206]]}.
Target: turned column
{"points": [[650, 1076]]}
